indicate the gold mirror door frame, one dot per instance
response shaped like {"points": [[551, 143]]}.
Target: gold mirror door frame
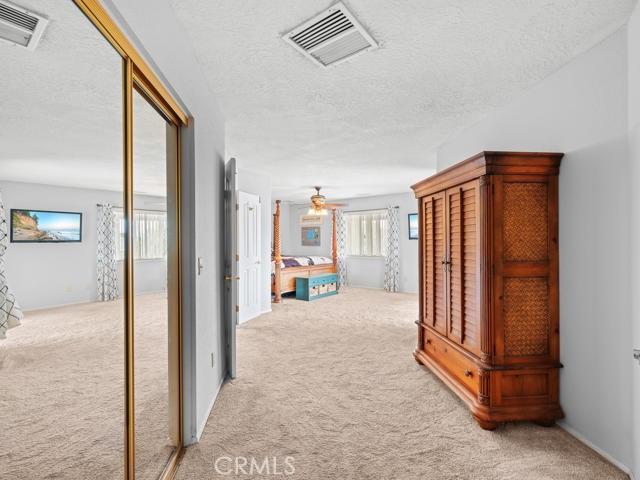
{"points": [[137, 75]]}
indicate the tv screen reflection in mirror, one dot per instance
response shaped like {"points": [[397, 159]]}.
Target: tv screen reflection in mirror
{"points": [[44, 226]]}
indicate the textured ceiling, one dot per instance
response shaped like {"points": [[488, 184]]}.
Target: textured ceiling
{"points": [[61, 110], [370, 125]]}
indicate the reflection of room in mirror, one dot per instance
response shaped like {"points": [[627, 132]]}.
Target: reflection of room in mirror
{"points": [[61, 185], [61, 155]]}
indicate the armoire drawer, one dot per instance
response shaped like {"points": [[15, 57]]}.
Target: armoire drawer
{"points": [[457, 364]]}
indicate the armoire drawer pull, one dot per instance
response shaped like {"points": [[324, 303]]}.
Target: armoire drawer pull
{"points": [[467, 373], [428, 341]]}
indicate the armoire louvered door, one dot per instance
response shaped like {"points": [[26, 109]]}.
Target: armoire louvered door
{"points": [[434, 245], [462, 233]]}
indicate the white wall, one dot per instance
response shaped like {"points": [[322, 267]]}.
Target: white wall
{"points": [[633, 32], [260, 185], [361, 271], [202, 198], [47, 275], [582, 110]]}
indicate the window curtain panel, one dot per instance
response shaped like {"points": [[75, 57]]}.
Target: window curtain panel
{"points": [[341, 240], [106, 255], [10, 312], [392, 248]]}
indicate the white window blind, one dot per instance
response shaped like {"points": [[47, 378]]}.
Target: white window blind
{"points": [[149, 234], [366, 233]]}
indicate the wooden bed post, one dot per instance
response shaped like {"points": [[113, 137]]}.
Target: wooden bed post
{"points": [[277, 254], [334, 240]]}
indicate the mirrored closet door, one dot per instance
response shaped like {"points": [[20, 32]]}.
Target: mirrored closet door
{"points": [[156, 284], [90, 333], [62, 365]]}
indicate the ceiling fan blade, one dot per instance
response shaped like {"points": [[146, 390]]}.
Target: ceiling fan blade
{"points": [[335, 205]]}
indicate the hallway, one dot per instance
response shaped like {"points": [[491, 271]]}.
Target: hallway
{"points": [[330, 390]]}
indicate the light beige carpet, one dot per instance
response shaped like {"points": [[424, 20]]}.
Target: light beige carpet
{"points": [[61, 392], [333, 384]]}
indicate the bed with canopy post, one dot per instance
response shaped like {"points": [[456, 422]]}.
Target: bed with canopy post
{"points": [[287, 268]]}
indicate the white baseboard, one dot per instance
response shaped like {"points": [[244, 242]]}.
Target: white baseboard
{"points": [[87, 302], [368, 287], [60, 305], [262, 312], [601, 452], [209, 408]]}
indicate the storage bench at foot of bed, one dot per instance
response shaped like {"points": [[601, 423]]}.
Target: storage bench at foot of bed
{"points": [[317, 286]]}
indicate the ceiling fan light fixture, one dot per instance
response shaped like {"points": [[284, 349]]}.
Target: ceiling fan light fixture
{"points": [[317, 211]]}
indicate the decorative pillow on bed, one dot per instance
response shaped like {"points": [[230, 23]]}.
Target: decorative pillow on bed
{"points": [[288, 262], [320, 260]]}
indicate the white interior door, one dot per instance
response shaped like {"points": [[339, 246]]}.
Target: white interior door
{"points": [[250, 286], [230, 262]]}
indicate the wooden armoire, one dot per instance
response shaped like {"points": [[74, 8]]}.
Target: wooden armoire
{"points": [[488, 324]]}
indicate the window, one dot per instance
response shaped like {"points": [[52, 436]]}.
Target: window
{"points": [[149, 234], [366, 233]]}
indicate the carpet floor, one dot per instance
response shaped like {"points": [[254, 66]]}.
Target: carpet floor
{"points": [[329, 390], [62, 392]]}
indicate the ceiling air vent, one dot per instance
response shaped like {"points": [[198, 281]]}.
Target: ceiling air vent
{"points": [[331, 37], [20, 26]]}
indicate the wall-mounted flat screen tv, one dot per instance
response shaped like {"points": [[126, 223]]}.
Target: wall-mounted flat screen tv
{"points": [[413, 226], [43, 226]]}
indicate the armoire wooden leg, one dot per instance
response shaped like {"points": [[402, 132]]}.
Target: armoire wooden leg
{"points": [[545, 423], [486, 424]]}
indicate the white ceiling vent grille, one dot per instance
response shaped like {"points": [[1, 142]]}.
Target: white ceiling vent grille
{"points": [[20, 26], [331, 37]]}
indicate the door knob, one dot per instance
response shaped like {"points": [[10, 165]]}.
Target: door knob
{"points": [[231, 277], [636, 354]]}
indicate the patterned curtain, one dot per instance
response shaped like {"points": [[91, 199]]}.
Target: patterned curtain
{"points": [[341, 238], [106, 255], [392, 258], [10, 313]]}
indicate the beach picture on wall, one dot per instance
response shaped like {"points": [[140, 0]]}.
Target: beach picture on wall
{"points": [[413, 226], [311, 236], [42, 226]]}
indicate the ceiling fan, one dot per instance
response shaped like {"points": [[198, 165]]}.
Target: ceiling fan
{"points": [[319, 205]]}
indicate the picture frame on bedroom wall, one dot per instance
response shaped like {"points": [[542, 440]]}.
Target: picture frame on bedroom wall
{"points": [[413, 226], [310, 236], [311, 220]]}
